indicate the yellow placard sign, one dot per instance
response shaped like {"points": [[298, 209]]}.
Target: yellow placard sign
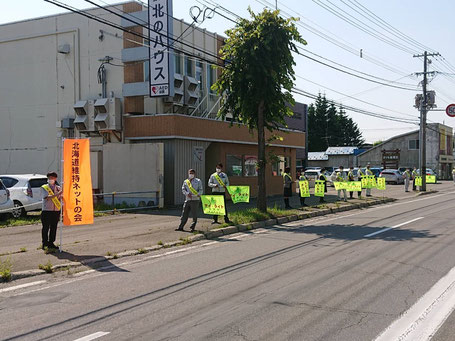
{"points": [[431, 179], [239, 193], [381, 184], [418, 181], [304, 188], [319, 188], [213, 204], [354, 186]]}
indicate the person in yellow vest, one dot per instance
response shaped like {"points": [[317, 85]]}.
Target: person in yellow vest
{"points": [[192, 190], [50, 214], [368, 172], [322, 177], [359, 178], [341, 177], [351, 177], [302, 177], [287, 186], [218, 182], [414, 174], [407, 177]]}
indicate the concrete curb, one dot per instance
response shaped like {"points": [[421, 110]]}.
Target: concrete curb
{"points": [[212, 234]]}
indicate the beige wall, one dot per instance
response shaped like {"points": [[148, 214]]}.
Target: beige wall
{"points": [[133, 168], [38, 85]]}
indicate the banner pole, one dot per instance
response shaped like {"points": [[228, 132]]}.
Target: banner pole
{"points": [[61, 206]]}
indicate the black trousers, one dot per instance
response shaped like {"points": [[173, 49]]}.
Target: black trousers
{"points": [[189, 206], [49, 219], [215, 217]]}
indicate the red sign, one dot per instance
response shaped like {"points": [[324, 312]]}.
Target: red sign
{"points": [[450, 110]]}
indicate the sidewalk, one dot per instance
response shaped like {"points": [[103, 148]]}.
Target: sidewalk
{"points": [[115, 234]]}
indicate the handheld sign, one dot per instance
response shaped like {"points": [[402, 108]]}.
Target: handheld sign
{"points": [[430, 179], [319, 188], [354, 186], [239, 193], [304, 189], [381, 184], [213, 204], [418, 181]]}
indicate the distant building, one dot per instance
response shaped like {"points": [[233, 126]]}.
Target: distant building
{"points": [[439, 150], [334, 157]]}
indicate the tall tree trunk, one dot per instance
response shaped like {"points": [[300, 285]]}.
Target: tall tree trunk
{"points": [[262, 197]]}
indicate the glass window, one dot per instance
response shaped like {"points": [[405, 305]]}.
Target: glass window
{"points": [[189, 67], [413, 144], [279, 166], [234, 165], [211, 72], [36, 183], [146, 71], [178, 63], [9, 182], [250, 162]]}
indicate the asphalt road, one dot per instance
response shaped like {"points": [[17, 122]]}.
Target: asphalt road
{"points": [[380, 273]]}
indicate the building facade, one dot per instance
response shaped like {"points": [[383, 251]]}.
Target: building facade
{"points": [[69, 76], [439, 150]]}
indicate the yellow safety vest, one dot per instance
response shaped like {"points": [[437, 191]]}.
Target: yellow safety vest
{"points": [[286, 175], [55, 200], [368, 172], [339, 177], [217, 177], [325, 178], [191, 188]]}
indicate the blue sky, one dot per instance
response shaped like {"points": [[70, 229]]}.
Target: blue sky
{"points": [[429, 23]]}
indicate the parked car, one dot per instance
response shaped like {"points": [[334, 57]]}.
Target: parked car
{"points": [[6, 204], [392, 176], [313, 175], [25, 192]]}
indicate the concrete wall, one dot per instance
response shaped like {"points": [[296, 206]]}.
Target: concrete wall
{"points": [[134, 168], [38, 85]]}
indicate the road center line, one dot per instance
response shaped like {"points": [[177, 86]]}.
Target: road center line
{"points": [[21, 286], [427, 315], [391, 228], [92, 336]]}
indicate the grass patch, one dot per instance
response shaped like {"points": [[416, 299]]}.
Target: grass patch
{"points": [[28, 220], [185, 241], [46, 267], [253, 214], [109, 253], [115, 256], [160, 243], [142, 251], [5, 270], [101, 206], [23, 249]]}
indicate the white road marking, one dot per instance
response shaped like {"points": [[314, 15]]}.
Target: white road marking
{"points": [[393, 227], [21, 286], [92, 336], [427, 315]]}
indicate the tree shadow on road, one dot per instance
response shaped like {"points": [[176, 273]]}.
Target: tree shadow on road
{"points": [[95, 262], [351, 232]]}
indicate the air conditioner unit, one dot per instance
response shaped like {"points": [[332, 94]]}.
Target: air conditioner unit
{"points": [[177, 99], [84, 121], [108, 114], [191, 93], [67, 123]]}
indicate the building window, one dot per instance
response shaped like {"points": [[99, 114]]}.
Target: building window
{"points": [[234, 165], [178, 63], [211, 72], [279, 165], [189, 67], [413, 144], [146, 71], [250, 162]]}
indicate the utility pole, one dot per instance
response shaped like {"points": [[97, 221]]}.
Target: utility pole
{"points": [[423, 117]]}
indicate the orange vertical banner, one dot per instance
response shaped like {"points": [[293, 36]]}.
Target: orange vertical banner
{"points": [[77, 183]]}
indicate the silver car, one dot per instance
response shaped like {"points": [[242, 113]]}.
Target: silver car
{"points": [[392, 176], [6, 204]]}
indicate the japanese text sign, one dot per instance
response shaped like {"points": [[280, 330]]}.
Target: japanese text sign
{"points": [[381, 184], [213, 204], [319, 188], [239, 193], [304, 189], [77, 183], [160, 35]]}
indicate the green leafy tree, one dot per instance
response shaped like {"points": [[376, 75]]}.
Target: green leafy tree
{"points": [[258, 77], [330, 127]]}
